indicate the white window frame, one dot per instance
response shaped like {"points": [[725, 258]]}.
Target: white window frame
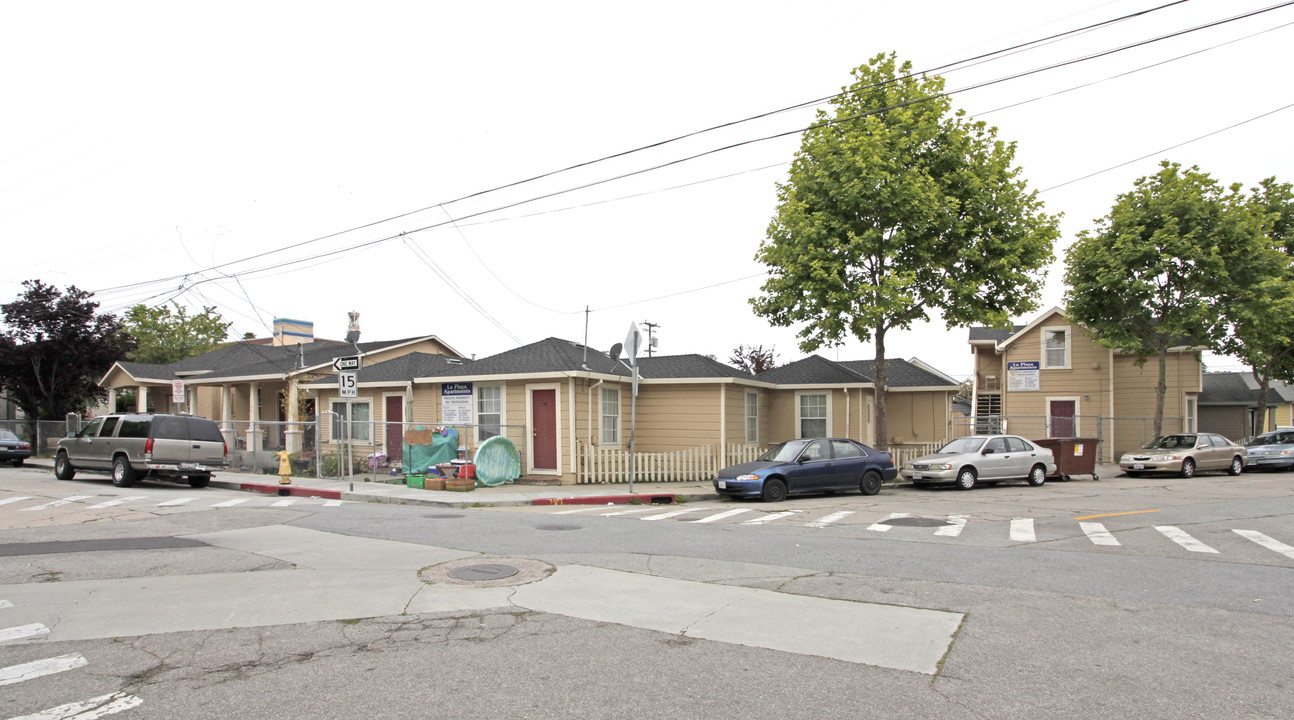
{"points": [[1077, 400], [477, 414], [1069, 346], [603, 426], [334, 433], [1192, 416], [752, 417], [799, 424]]}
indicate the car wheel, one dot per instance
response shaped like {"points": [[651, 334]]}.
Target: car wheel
{"points": [[199, 481], [871, 483], [62, 468], [774, 490], [123, 475], [17, 463], [1037, 475], [1237, 466], [966, 478], [1132, 474], [1188, 468]]}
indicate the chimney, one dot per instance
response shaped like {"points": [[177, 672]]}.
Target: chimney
{"points": [[293, 332], [352, 329]]}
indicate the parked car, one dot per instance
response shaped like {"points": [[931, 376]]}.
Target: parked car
{"points": [[1271, 450], [134, 446], [13, 449], [811, 465], [1185, 454], [982, 460]]}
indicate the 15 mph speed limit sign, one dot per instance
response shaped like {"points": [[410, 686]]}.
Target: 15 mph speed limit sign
{"points": [[348, 384]]}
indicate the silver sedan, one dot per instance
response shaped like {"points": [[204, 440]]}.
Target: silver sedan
{"points": [[982, 459]]}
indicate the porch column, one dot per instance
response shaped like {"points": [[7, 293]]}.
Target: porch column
{"points": [[112, 400], [227, 415], [254, 416], [141, 398], [292, 437]]}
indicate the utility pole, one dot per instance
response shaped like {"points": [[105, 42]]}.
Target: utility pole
{"points": [[651, 343]]}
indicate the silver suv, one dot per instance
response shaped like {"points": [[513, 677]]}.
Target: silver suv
{"points": [[134, 446]]}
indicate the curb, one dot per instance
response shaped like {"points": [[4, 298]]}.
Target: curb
{"points": [[277, 489]]}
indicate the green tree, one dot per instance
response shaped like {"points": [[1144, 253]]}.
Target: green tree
{"points": [[54, 349], [166, 337], [897, 207], [1151, 274], [1258, 298]]}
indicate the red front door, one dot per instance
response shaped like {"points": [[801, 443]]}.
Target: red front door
{"points": [[394, 428], [1062, 418], [543, 423]]}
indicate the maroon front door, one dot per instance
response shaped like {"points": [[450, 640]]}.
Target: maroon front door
{"points": [[1062, 418], [394, 428], [543, 423]]}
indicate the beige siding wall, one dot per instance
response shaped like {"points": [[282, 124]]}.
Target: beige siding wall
{"points": [[1226, 420], [677, 417], [919, 416]]}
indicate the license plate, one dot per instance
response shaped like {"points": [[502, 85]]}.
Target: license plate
{"points": [[1138, 466], [191, 466], [916, 476], [723, 485]]}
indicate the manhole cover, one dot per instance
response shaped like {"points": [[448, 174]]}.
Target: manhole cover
{"points": [[557, 527], [442, 516], [486, 572], [915, 522], [482, 572]]}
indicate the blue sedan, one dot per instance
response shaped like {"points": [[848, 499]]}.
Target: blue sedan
{"points": [[811, 465], [13, 449]]}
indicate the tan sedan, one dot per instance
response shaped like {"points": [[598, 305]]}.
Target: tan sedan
{"points": [[1184, 455]]}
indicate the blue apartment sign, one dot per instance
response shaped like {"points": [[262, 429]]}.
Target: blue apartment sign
{"points": [[456, 403], [1023, 376]]}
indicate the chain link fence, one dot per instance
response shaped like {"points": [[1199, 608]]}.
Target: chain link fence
{"points": [[43, 434]]}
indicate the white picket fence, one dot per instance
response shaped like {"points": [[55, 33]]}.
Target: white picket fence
{"points": [[611, 465], [905, 453]]}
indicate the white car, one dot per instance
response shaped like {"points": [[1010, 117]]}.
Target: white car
{"points": [[983, 460]]}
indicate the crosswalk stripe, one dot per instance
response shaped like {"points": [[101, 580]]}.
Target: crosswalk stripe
{"points": [[19, 632], [957, 523], [770, 517], [1181, 537], [1267, 542], [37, 668], [173, 503], [672, 513], [332, 503], [20, 498], [721, 515], [284, 502], [88, 709], [116, 502], [56, 503], [633, 511], [579, 510], [882, 527], [828, 519], [5, 604], [1022, 530], [231, 503], [1097, 533]]}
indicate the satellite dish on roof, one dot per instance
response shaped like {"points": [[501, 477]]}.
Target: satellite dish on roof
{"points": [[614, 353]]}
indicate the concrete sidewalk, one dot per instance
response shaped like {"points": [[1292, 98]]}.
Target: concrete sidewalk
{"points": [[363, 488]]}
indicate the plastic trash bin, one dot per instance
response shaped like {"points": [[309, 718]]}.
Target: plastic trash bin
{"points": [[1074, 456]]}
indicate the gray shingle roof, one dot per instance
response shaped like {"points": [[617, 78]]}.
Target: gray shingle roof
{"points": [[813, 370], [549, 355], [687, 366], [1240, 388], [899, 373], [994, 334], [242, 359]]}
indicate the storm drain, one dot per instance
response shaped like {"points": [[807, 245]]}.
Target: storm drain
{"points": [[557, 528], [442, 516], [486, 572], [915, 522]]}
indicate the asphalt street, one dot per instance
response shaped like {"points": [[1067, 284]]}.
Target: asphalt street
{"points": [[162, 601]]}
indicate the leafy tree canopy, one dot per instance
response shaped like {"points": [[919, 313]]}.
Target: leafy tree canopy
{"points": [[1153, 272], [166, 337], [54, 349], [753, 359], [896, 208]]}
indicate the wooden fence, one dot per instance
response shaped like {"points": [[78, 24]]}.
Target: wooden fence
{"points": [[611, 465], [905, 453]]}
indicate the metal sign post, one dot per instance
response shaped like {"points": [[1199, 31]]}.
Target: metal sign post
{"points": [[632, 341], [347, 387]]}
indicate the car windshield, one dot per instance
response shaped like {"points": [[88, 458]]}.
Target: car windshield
{"points": [[1276, 438], [1172, 442], [963, 445], [784, 452]]}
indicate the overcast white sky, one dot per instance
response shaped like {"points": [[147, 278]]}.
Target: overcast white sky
{"points": [[172, 141]]}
